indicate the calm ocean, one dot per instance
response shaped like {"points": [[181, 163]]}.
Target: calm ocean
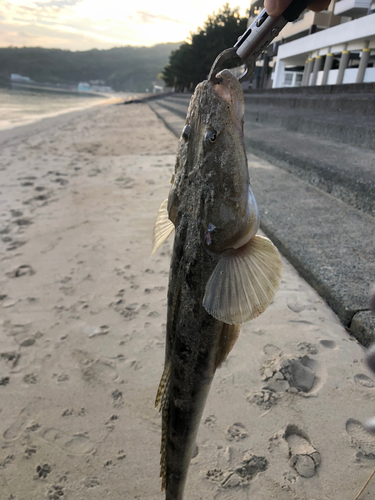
{"points": [[23, 106]]}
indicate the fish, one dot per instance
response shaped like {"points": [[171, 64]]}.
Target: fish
{"points": [[222, 273]]}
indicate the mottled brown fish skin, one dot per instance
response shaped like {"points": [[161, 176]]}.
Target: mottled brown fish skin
{"points": [[192, 344], [196, 342]]}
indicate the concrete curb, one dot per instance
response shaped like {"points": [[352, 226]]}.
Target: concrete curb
{"points": [[137, 98], [351, 88]]}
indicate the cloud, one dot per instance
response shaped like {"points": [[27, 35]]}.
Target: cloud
{"points": [[60, 4], [86, 24], [146, 17], [50, 9], [42, 36]]}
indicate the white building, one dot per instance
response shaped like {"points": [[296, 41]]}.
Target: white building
{"points": [[14, 77], [336, 46]]}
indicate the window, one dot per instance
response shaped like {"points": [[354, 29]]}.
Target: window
{"points": [[288, 79], [298, 79]]}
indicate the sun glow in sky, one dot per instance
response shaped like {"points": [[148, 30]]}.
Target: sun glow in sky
{"points": [[102, 24]]}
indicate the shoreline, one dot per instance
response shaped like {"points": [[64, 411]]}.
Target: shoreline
{"points": [[110, 100], [38, 118], [34, 86], [45, 122]]}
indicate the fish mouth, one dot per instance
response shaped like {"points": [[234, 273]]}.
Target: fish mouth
{"points": [[229, 88]]}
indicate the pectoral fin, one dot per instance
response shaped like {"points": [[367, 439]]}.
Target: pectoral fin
{"points": [[244, 282], [163, 227]]}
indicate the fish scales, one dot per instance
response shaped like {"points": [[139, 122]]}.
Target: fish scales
{"points": [[222, 274]]}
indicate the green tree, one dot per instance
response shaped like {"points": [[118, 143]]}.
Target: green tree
{"points": [[191, 62]]}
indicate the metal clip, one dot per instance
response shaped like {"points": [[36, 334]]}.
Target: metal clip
{"points": [[251, 44]]}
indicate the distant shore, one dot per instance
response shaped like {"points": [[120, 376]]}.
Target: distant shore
{"points": [[51, 88]]}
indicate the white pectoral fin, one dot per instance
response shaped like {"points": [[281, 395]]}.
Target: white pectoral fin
{"points": [[244, 282], [163, 227]]}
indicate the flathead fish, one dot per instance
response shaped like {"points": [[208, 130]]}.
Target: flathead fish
{"points": [[222, 273]]}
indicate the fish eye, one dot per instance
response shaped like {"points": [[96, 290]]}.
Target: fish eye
{"points": [[186, 132], [211, 136]]}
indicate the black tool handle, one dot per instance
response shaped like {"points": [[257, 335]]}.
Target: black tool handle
{"points": [[295, 9]]}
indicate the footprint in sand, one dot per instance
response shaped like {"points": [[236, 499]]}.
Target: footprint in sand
{"points": [[99, 371], [361, 438], [25, 418], [23, 221], [271, 350], [78, 444], [251, 466], [55, 492], [266, 399], [117, 398], [95, 370], [364, 381], [95, 331], [14, 245], [241, 476], [210, 421], [23, 270], [20, 333], [16, 213], [328, 344], [294, 374], [43, 470], [304, 458], [236, 432], [295, 306], [11, 358]]}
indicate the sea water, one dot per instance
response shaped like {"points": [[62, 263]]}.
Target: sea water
{"points": [[24, 106]]}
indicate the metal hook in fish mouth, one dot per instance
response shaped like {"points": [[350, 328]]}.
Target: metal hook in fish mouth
{"points": [[226, 54]]}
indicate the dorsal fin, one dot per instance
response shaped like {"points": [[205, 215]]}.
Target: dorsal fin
{"points": [[163, 387], [163, 446], [163, 227], [162, 402]]}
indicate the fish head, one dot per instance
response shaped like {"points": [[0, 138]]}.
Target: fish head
{"points": [[212, 165]]}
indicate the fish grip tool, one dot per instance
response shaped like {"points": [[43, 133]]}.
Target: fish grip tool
{"points": [[257, 38]]}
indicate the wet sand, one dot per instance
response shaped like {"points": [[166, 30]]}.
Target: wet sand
{"points": [[82, 327]]}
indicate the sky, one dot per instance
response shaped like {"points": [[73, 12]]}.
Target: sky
{"points": [[102, 24]]}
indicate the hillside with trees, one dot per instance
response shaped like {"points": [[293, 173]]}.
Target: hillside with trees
{"points": [[123, 68], [192, 61]]}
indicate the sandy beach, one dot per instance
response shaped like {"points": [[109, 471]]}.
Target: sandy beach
{"points": [[82, 328]]}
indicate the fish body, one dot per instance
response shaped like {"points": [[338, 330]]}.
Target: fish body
{"points": [[215, 217]]}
